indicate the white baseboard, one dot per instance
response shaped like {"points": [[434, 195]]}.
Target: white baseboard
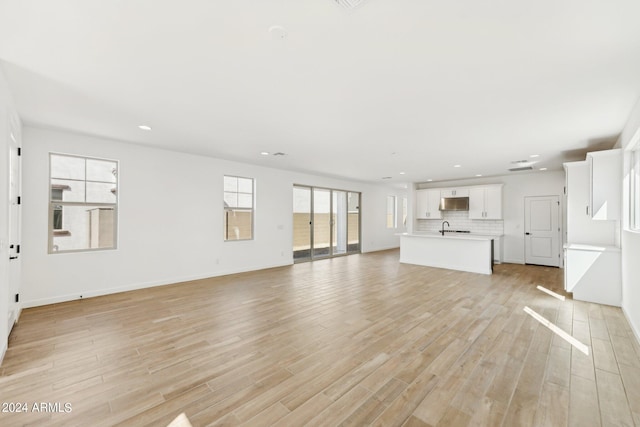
{"points": [[380, 249], [512, 261], [142, 285], [635, 331]]}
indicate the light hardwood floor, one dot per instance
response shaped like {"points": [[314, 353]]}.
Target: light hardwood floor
{"points": [[355, 340]]}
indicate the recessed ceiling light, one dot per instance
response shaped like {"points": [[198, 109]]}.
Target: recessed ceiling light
{"points": [[402, 173], [457, 166], [278, 32], [533, 156], [144, 127], [543, 169], [429, 180], [478, 174], [265, 153]]}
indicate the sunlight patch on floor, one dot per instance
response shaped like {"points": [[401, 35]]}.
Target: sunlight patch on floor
{"points": [[553, 294], [562, 334]]}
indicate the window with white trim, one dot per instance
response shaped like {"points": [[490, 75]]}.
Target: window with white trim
{"points": [[238, 208], [83, 203], [405, 210], [391, 212]]}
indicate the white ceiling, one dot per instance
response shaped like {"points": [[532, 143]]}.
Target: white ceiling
{"points": [[392, 86]]}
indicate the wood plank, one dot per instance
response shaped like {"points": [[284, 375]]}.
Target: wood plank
{"points": [[352, 341], [603, 356], [584, 409], [614, 408], [631, 380], [553, 406]]}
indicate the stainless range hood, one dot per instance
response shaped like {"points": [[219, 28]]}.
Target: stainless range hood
{"points": [[454, 204]]}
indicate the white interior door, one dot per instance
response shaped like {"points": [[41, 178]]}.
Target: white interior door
{"points": [[14, 222], [542, 230]]}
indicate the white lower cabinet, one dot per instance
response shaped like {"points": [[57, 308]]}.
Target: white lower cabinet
{"points": [[593, 273]]}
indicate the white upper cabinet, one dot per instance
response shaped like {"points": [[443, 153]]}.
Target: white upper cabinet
{"points": [[605, 173], [454, 192], [485, 202], [427, 202], [581, 228]]}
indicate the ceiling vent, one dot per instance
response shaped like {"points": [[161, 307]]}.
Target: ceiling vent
{"points": [[522, 165], [279, 153], [524, 168], [349, 4]]}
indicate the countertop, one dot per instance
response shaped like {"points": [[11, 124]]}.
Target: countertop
{"points": [[594, 248], [459, 236]]}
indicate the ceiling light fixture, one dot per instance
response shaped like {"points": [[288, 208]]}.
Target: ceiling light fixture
{"points": [[278, 32], [543, 169], [533, 156], [478, 174], [349, 4], [429, 180], [144, 127], [402, 173], [265, 153], [457, 166]]}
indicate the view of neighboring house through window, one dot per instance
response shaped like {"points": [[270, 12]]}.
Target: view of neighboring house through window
{"points": [[391, 212], [635, 190], [82, 203], [238, 208], [56, 195]]}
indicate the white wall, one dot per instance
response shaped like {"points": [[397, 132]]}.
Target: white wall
{"points": [[6, 110], [170, 219], [516, 187], [630, 240]]}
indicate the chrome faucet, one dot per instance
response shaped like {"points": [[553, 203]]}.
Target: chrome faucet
{"points": [[443, 223]]}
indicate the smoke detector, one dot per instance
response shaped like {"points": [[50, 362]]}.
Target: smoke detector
{"points": [[349, 4]]}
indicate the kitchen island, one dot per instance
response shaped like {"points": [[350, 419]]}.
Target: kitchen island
{"points": [[470, 252]]}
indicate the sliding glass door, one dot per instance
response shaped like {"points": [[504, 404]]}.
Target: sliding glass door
{"points": [[321, 223], [353, 222], [326, 223], [339, 220], [302, 223]]}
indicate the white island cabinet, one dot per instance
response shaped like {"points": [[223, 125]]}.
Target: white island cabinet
{"points": [[473, 253]]}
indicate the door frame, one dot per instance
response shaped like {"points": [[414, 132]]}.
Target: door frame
{"points": [[560, 211], [14, 148], [331, 254]]}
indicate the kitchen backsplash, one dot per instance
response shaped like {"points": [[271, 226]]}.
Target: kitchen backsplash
{"points": [[460, 221]]}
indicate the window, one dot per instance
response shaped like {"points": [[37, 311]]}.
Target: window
{"points": [[404, 211], [238, 208], [82, 203], [391, 212], [635, 190]]}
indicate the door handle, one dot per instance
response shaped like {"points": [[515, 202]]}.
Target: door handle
{"points": [[527, 233], [13, 257]]}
